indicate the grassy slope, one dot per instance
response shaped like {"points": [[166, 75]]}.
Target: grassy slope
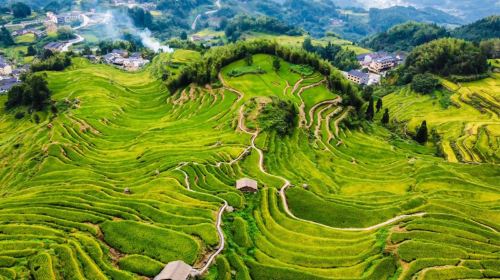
{"points": [[63, 205], [469, 127]]}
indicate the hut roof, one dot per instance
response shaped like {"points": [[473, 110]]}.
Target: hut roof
{"points": [[176, 270], [246, 183]]}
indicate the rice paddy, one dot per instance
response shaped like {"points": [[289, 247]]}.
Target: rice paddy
{"points": [[127, 177]]}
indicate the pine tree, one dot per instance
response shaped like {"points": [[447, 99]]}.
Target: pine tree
{"points": [[6, 39], [249, 59], [379, 104], [422, 133], [276, 64], [370, 110], [385, 117]]}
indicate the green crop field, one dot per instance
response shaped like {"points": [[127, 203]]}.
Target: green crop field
{"points": [[127, 177], [466, 117]]}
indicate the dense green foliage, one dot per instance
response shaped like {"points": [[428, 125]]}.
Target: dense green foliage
{"points": [[50, 61], [383, 19], [6, 39], [32, 92], [424, 83], [405, 36], [491, 48], [20, 10], [422, 133], [279, 116], [140, 18], [206, 70], [447, 57], [243, 23], [483, 29], [343, 59]]}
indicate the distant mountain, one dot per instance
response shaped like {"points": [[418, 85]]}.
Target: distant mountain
{"points": [[383, 19], [486, 28], [404, 37], [468, 10]]}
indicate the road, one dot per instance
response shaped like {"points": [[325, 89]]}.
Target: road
{"points": [[195, 22]]}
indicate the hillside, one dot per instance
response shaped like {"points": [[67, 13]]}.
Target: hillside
{"points": [[465, 116], [126, 178], [483, 29], [405, 36]]}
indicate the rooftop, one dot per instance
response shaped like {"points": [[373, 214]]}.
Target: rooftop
{"points": [[176, 270]]}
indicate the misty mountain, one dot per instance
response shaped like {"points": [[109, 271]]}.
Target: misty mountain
{"points": [[468, 10], [486, 28]]}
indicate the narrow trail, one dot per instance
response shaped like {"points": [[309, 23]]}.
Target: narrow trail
{"points": [[218, 226], [195, 22]]}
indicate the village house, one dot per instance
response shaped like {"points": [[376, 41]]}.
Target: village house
{"points": [[358, 77], [5, 67], [122, 59], [176, 270], [55, 46], [383, 64], [7, 83], [246, 185], [37, 33], [67, 18]]}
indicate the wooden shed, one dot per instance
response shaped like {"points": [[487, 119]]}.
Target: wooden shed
{"points": [[177, 270], [247, 185]]}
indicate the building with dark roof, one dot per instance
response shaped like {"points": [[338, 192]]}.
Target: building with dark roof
{"points": [[358, 77]]}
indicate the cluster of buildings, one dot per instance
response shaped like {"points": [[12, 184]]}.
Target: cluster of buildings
{"points": [[65, 18], [122, 59], [374, 66], [9, 75], [24, 31]]}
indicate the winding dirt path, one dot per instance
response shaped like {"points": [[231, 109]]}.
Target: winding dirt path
{"points": [[218, 226]]}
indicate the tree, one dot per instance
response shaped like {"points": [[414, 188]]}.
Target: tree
{"points": [[6, 39], [276, 64], [370, 112], [307, 45], [422, 133], [367, 92], [20, 10], [31, 51], [65, 33], [385, 117], [249, 59], [33, 92], [86, 50], [379, 104], [424, 83], [184, 35]]}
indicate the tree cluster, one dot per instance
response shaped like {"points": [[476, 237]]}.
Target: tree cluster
{"points": [[32, 92], [279, 116], [20, 10], [447, 57], [206, 70], [140, 17], [240, 24], [6, 39], [487, 28], [425, 83], [49, 61], [405, 37], [343, 59]]}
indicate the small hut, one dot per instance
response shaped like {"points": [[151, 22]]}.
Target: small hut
{"points": [[246, 185], [177, 270]]}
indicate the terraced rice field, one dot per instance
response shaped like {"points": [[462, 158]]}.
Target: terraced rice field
{"points": [[469, 127], [127, 178]]}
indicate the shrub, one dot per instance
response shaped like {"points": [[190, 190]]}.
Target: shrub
{"points": [[279, 116], [19, 115], [424, 83]]}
